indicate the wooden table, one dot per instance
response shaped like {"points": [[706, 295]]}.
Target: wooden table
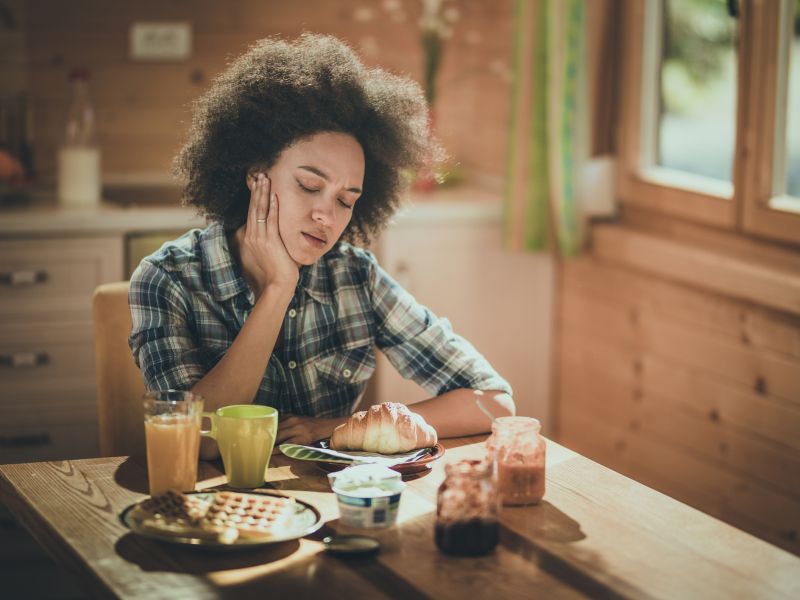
{"points": [[597, 534]]}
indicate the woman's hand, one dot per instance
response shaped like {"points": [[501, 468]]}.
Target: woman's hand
{"points": [[264, 255], [296, 429]]}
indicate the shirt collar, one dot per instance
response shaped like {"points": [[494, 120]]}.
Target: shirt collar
{"points": [[225, 279], [315, 280], [220, 272]]}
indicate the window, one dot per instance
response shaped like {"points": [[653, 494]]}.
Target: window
{"points": [[710, 121], [692, 51], [786, 181]]}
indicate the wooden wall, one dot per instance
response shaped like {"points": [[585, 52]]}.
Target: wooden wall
{"points": [[690, 392], [143, 107]]}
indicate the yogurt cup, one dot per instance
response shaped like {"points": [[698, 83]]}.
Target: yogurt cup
{"points": [[368, 495]]}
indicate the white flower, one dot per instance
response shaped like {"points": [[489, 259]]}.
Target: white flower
{"points": [[451, 14], [392, 5], [363, 14], [430, 8]]}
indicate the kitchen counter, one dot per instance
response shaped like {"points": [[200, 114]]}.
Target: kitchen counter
{"points": [[159, 210]]}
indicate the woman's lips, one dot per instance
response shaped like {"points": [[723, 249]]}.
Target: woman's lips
{"points": [[314, 241]]}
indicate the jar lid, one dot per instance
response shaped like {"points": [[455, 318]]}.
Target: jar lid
{"points": [[351, 545], [517, 423]]}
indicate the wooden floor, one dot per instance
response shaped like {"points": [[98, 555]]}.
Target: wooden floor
{"points": [[25, 569]]}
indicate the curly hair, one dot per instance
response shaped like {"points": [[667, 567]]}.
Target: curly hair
{"points": [[280, 92]]}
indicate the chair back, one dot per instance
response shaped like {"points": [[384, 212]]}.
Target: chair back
{"points": [[119, 382]]}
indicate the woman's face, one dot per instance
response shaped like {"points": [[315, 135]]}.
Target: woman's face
{"points": [[318, 181]]}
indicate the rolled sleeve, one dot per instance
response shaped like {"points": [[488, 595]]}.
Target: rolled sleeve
{"points": [[422, 346], [161, 340]]}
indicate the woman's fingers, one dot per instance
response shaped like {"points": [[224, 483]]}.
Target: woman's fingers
{"points": [[262, 205], [252, 185], [294, 432], [272, 217]]}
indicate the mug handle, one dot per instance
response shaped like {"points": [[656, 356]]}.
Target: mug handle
{"points": [[211, 433]]}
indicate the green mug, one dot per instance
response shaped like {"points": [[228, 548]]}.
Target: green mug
{"points": [[245, 434]]}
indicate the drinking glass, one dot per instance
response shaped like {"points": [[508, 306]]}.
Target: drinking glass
{"points": [[172, 433]]}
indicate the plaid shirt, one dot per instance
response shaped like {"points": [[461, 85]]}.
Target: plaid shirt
{"points": [[189, 301]]}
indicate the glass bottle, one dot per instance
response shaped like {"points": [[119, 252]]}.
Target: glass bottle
{"points": [[79, 179], [467, 509], [519, 451]]}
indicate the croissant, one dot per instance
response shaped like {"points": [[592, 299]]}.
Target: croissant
{"points": [[387, 428]]}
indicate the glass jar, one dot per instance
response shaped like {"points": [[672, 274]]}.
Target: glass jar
{"points": [[519, 451], [467, 509]]}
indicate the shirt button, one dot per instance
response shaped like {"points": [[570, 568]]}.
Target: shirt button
{"points": [[292, 313], [292, 364], [347, 373]]}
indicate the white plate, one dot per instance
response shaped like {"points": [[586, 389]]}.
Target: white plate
{"points": [[305, 521]]}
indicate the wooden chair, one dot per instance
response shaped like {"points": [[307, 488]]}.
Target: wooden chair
{"points": [[119, 382]]}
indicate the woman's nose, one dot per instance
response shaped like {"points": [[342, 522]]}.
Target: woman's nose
{"points": [[324, 209]]}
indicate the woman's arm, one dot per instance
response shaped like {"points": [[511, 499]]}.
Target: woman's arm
{"points": [[453, 414], [456, 414], [269, 269], [235, 379]]}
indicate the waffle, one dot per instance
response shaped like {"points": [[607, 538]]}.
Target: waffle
{"points": [[226, 517], [250, 516]]}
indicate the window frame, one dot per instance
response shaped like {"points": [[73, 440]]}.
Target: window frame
{"points": [[758, 217], [747, 209]]}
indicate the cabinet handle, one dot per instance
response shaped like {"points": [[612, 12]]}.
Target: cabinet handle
{"points": [[18, 441], [23, 277], [22, 360]]}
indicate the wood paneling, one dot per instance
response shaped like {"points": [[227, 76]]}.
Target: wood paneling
{"points": [[143, 107], [691, 392]]}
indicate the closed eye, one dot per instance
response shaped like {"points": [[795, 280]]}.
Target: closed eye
{"points": [[307, 189]]}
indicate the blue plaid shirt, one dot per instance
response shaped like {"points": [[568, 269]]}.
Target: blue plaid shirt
{"points": [[189, 301]]}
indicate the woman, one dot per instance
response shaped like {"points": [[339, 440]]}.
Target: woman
{"points": [[293, 147]]}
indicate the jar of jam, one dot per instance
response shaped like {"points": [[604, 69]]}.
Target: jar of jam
{"points": [[519, 451], [467, 509]]}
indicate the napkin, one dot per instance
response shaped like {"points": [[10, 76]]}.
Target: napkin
{"points": [[350, 457]]}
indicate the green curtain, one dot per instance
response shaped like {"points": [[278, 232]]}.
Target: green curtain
{"points": [[548, 133]]}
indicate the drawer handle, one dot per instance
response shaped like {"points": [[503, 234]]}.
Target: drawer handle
{"points": [[19, 441], [23, 360], [23, 277]]}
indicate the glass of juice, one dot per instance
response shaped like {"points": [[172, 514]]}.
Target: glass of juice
{"points": [[172, 433]]}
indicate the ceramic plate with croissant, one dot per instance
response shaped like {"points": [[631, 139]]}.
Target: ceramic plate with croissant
{"points": [[388, 428]]}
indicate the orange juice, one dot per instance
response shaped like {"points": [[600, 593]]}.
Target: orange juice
{"points": [[173, 445]]}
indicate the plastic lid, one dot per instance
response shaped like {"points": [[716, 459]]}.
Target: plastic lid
{"points": [[363, 474], [351, 545]]}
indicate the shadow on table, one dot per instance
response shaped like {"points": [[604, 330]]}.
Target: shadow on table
{"points": [[546, 523], [151, 555], [548, 536], [132, 474]]}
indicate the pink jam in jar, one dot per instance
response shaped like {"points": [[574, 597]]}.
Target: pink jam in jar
{"points": [[519, 451]]}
